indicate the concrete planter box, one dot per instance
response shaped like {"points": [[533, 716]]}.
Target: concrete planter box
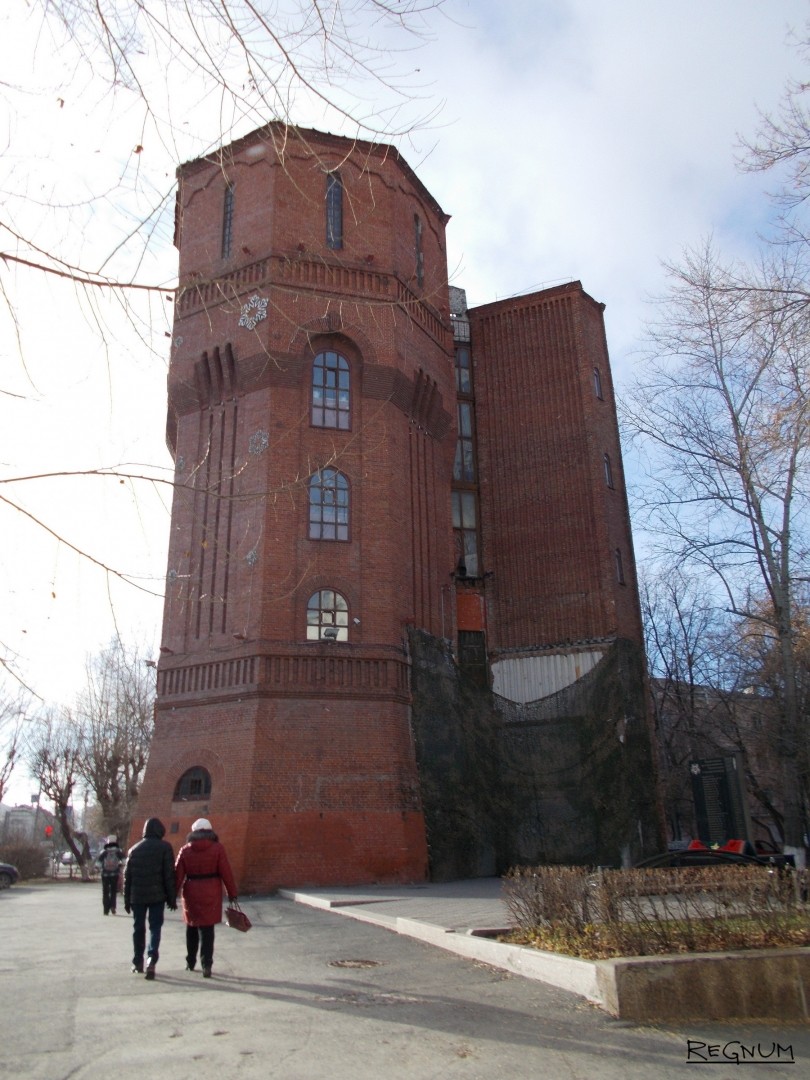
{"points": [[761, 984]]}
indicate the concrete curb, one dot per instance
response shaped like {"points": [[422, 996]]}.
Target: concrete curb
{"points": [[565, 972]]}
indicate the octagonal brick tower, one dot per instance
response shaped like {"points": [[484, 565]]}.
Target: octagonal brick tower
{"points": [[311, 417]]}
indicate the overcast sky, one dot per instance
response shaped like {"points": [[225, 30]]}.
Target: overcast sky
{"points": [[586, 139]]}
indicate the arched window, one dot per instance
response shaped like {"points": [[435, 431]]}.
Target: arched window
{"points": [[334, 210], [597, 383], [608, 471], [418, 251], [327, 617], [227, 221], [328, 506], [617, 555], [193, 784], [330, 391]]}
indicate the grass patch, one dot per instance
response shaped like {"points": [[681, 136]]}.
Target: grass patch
{"points": [[601, 943]]}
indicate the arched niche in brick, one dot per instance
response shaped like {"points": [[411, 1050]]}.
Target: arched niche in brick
{"points": [[193, 786], [204, 759], [331, 333]]}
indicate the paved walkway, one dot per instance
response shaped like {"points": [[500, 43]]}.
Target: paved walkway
{"points": [[312, 995], [459, 906]]}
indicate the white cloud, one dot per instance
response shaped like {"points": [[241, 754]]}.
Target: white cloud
{"points": [[592, 140]]}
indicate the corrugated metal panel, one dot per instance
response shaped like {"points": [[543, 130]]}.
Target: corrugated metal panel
{"points": [[529, 678]]}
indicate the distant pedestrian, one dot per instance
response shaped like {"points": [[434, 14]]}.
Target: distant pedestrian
{"points": [[110, 860], [201, 871], [148, 887]]}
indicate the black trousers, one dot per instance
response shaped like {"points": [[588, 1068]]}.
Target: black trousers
{"points": [[202, 938], [109, 891]]}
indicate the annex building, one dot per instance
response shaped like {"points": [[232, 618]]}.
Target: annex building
{"points": [[402, 633]]}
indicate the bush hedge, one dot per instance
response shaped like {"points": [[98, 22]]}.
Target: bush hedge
{"points": [[596, 914], [30, 859]]}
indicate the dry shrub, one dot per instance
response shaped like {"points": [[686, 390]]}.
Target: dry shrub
{"points": [[603, 913], [30, 859]]}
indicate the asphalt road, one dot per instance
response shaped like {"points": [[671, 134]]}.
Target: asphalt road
{"points": [[310, 994]]}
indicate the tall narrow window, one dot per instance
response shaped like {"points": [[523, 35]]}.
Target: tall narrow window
{"points": [[463, 372], [466, 531], [330, 391], [420, 256], [328, 506], [334, 210], [464, 467], [597, 382], [472, 656], [327, 617], [619, 566], [608, 471], [227, 221]]}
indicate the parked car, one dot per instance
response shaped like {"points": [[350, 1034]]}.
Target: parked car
{"points": [[8, 875], [733, 852]]}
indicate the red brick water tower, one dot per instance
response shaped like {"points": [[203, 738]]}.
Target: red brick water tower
{"points": [[310, 417], [355, 461]]}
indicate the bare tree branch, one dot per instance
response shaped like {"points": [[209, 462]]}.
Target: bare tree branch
{"points": [[723, 409]]}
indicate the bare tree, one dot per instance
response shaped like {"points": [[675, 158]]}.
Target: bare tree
{"points": [[709, 698], [54, 749], [115, 714], [185, 79], [724, 410], [781, 144], [13, 710], [109, 96]]}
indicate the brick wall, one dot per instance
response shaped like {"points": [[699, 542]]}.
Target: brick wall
{"points": [[550, 524]]}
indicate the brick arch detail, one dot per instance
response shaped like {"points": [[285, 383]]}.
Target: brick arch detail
{"points": [[330, 332]]}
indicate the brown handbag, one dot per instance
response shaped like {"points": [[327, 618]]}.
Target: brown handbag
{"points": [[236, 918]]}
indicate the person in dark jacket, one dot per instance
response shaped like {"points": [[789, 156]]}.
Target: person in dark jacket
{"points": [[109, 861], [201, 871], [148, 887]]}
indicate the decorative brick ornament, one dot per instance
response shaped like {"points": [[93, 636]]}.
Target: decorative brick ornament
{"points": [[253, 312], [258, 443]]}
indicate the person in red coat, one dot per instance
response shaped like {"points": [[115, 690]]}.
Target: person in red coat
{"points": [[201, 871]]}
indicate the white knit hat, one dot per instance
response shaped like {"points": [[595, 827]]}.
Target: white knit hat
{"points": [[200, 824]]}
